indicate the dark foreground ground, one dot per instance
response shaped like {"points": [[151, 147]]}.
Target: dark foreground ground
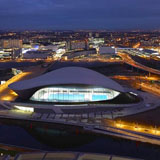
{"points": [[148, 118], [45, 137]]}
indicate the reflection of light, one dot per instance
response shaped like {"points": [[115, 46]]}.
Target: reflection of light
{"points": [[36, 46], [60, 51], [119, 125], [27, 50], [157, 132], [154, 131], [6, 98], [156, 53], [14, 93], [137, 128], [133, 93], [28, 109], [2, 82], [5, 90]]}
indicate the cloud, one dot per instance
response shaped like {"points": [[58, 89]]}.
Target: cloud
{"points": [[79, 13]]}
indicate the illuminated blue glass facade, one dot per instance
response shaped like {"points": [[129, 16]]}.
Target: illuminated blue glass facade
{"points": [[73, 94]]}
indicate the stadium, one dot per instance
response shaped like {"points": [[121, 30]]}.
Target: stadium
{"points": [[74, 86]]}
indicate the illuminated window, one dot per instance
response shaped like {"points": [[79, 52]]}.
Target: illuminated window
{"points": [[73, 94]]}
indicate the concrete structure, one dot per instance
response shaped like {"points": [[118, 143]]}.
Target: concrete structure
{"points": [[11, 43], [107, 50], [67, 84], [71, 88], [96, 42], [50, 47], [37, 54], [5, 54], [69, 156], [81, 53], [77, 45]]}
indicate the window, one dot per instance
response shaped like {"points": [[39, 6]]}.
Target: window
{"points": [[73, 94]]}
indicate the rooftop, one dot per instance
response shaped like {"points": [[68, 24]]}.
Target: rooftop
{"points": [[68, 75]]}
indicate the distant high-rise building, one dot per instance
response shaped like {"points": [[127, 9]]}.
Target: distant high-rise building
{"points": [[96, 35], [90, 34], [111, 36], [11, 43], [95, 42]]}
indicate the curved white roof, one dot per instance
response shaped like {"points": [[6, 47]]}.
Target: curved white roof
{"points": [[68, 75]]}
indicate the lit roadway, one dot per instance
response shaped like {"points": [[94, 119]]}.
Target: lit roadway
{"points": [[142, 82], [133, 131], [133, 127], [127, 59], [103, 126], [137, 78], [111, 60], [152, 88], [6, 94]]}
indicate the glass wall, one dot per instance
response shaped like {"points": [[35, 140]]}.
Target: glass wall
{"points": [[73, 94]]}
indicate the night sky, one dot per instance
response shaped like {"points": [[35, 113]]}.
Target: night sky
{"points": [[80, 14]]}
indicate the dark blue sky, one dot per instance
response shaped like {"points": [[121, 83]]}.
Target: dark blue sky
{"points": [[80, 14]]}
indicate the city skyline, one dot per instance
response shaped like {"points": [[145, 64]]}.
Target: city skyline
{"points": [[69, 14]]}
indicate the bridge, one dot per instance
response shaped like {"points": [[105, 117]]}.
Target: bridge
{"points": [[128, 60]]}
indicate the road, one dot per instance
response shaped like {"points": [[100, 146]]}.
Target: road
{"points": [[142, 82], [127, 59], [120, 129], [152, 88], [142, 78], [6, 94]]}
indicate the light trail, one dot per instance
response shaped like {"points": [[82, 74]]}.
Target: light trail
{"points": [[145, 78], [6, 94], [127, 59], [135, 127], [150, 88]]}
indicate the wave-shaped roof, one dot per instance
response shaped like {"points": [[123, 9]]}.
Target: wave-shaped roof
{"points": [[68, 75]]}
